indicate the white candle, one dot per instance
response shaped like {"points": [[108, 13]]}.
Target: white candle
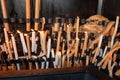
{"points": [[115, 31], [68, 35], [28, 45], [43, 63], [33, 42], [14, 47], [23, 42], [100, 42], [36, 65], [105, 50], [15, 51], [5, 47], [48, 51], [6, 35], [53, 56], [110, 68], [41, 37], [98, 49], [58, 59], [43, 41]]}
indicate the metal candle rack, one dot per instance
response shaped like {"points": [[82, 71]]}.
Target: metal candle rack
{"points": [[57, 43], [48, 54]]}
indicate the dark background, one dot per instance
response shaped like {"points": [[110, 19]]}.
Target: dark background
{"points": [[65, 8]]}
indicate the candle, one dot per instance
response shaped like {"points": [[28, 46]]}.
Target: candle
{"points": [[76, 46], [110, 67], [58, 41], [5, 47], [37, 11], [48, 51], [28, 45], [28, 14], [77, 26], [85, 44], [98, 49], [53, 56], [23, 42], [105, 50], [43, 23], [5, 15], [68, 35], [15, 51], [58, 59], [14, 47], [6, 35], [33, 42], [43, 36], [7, 43], [76, 51], [29, 51], [43, 63], [63, 61], [115, 31]]}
